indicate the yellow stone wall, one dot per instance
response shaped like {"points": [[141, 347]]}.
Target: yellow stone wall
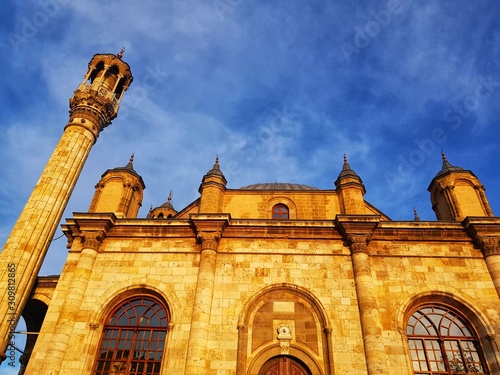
{"points": [[302, 204], [107, 201], [303, 262], [339, 275]]}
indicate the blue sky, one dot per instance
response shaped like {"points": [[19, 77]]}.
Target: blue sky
{"points": [[279, 90]]}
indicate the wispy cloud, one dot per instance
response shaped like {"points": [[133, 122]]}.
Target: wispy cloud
{"points": [[266, 87]]}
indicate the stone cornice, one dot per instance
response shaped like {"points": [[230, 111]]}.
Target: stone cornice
{"points": [[210, 222], [209, 228], [91, 228], [485, 233], [356, 230]]}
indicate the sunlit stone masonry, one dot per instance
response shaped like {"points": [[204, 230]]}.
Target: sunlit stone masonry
{"points": [[265, 279]]}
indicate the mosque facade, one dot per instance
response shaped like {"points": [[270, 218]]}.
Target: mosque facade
{"points": [[266, 279]]}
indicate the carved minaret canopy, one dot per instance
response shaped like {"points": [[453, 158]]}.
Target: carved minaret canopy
{"points": [[94, 104], [119, 191], [457, 193], [98, 97]]}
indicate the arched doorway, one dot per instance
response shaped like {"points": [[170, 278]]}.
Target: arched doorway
{"points": [[284, 365]]}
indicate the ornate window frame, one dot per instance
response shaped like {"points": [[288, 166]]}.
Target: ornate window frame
{"points": [[134, 337], [478, 322], [442, 341]]}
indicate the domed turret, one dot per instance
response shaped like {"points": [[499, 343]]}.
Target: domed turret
{"points": [[350, 190], [165, 211], [120, 191], [457, 193], [212, 189]]}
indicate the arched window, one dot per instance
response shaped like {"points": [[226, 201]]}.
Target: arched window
{"points": [[280, 211], [133, 339], [442, 342]]}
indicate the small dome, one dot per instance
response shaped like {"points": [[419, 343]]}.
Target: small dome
{"points": [[165, 211], [278, 186]]}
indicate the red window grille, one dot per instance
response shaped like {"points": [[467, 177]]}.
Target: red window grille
{"points": [[280, 211]]}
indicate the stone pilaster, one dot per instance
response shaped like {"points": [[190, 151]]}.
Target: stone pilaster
{"points": [[86, 237], [357, 233], [197, 360], [485, 233], [209, 231], [370, 320], [490, 247], [241, 355]]}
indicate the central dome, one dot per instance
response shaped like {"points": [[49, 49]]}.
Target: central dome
{"points": [[278, 186]]}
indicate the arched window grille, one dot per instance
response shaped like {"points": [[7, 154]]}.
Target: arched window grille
{"points": [[442, 342], [280, 211], [133, 339]]}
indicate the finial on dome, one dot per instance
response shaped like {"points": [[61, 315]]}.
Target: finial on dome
{"points": [[130, 164], [120, 54], [170, 196], [346, 165], [415, 215], [216, 159], [443, 156]]}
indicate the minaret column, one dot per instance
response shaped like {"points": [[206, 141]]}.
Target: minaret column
{"points": [[31, 236], [91, 110], [209, 232]]}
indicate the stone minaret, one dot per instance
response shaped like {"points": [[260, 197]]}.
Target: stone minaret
{"points": [[94, 104]]}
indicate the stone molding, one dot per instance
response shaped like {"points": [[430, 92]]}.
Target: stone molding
{"points": [[94, 105]]}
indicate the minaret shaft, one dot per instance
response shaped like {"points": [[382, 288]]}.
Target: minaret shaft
{"points": [[31, 236], [94, 104]]}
